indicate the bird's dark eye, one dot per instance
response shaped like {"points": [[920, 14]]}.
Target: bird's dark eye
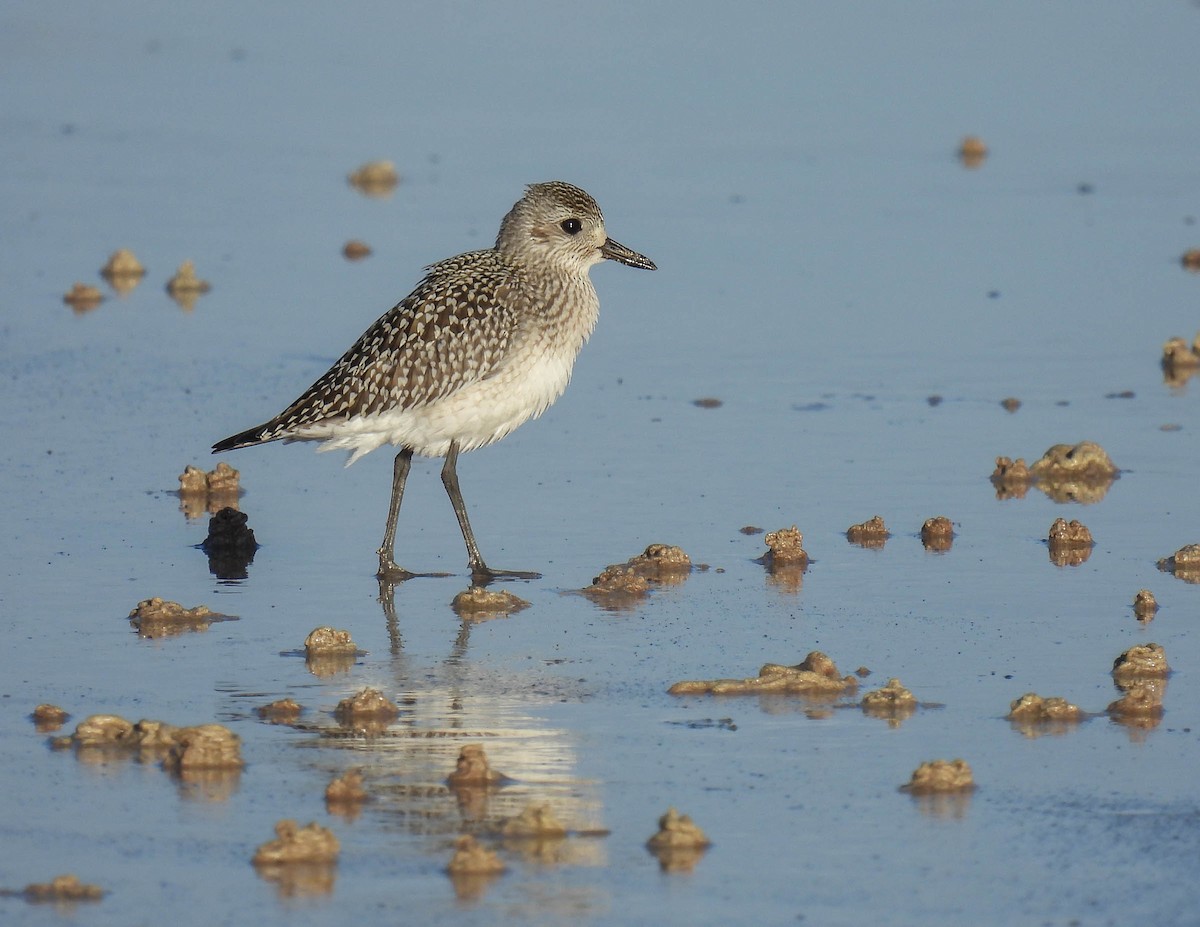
{"points": [[571, 226]]}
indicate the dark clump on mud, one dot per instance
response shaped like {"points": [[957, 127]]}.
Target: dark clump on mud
{"points": [[186, 281], [283, 711], [940, 776], [1011, 478], [1141, 705], [535, 822], [1142, 661], [472, 868], [871, 534], [479, 603], [1141, 674], [1145, 606], [892, 701], [1180, 361], [355, 250], [677, 830], [472, 769], [186, 287], [300, 861], [678, 843], [616, 586], [156, 617], [1011, 404], [785, 559], [375, 178], [327, 641], [937, 534], [123, 271], [1032, 707], [207, 746], [622, 584], [785, 548], [1081, 472], [1070, 542], [1085, 461], [294, 844], [83, 297], [816, 675], [473, 858], [61, 889], [1069, 534], [201, 492], [1184, 563], [346, 790], [49, 718], [368, 710], [328, 651], [1033, 715], [660, 563], [230, 544], [185, 751], [972, 151]]}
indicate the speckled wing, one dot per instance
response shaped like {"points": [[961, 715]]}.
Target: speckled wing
{"points": [[452, 330]]}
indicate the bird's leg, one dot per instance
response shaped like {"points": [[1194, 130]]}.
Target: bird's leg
{"points": [[480, 571], [388, 570]]}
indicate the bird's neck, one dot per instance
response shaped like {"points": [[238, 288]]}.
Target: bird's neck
{"points": [[568, 304]]}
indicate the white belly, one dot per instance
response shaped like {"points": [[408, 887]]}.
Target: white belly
{"points": [[474, 416]]}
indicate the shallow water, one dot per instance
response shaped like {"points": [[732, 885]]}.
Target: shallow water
{"points": [[826, 266]]}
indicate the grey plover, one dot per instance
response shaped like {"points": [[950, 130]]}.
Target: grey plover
{"points": [[484, 343]]}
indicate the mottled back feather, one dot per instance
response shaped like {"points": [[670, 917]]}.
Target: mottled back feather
{"points": [[452, 330]]}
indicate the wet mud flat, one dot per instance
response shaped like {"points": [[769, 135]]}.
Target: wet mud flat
{"points": [[868, 528]]}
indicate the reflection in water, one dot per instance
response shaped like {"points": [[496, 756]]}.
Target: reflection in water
{"points": [[324, 665], [677, 859], [947, 805], [787, 579], [428, 777], [469, 887], [299, 880], [1140, 708], [211, 785], [1035, 728]]}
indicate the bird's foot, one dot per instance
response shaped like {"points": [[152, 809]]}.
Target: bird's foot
{"points": [[390, 572], [482, 574]]}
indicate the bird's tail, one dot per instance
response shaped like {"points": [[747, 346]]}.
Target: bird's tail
{"points": [[259, 434]]}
